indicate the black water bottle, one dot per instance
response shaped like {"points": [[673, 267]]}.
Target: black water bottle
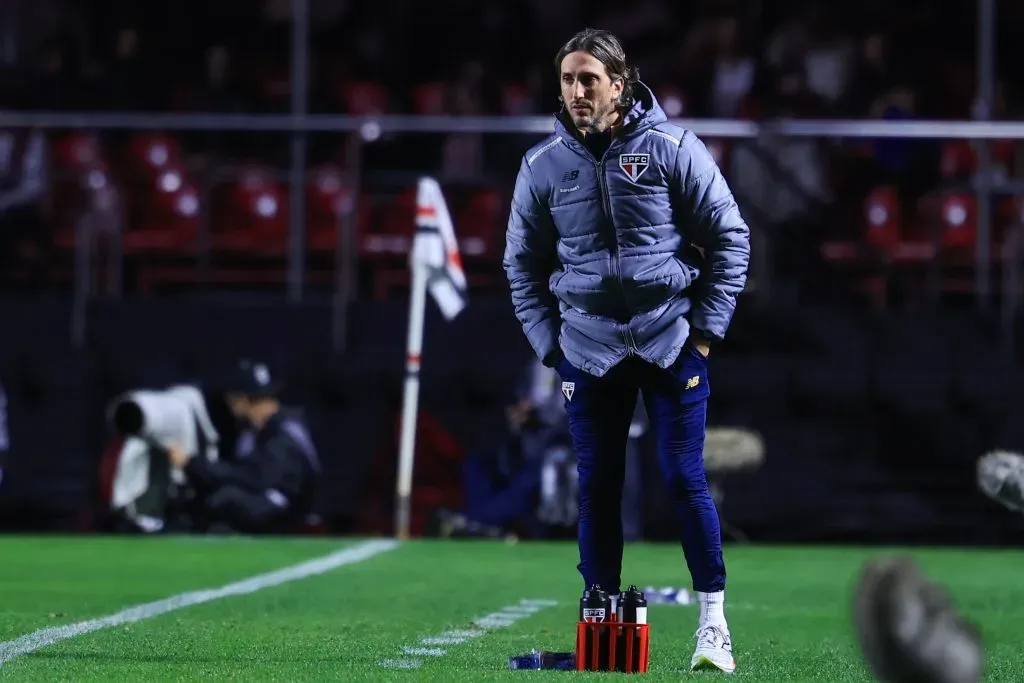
{"points": [[632, 610], [595, 607], [632, 606]]}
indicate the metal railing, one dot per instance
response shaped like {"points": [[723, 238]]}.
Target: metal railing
{"points": [[365, 130], [361, 132]]}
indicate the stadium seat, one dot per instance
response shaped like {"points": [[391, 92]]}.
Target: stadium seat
{"points": [[393, 226], [78, 151], [169, 219], [72, 195], [959, 158], [958, 220], [956, 159], [80, 169], [477, 219], [516, 100], [879, 230], [430, 99], [364, 99], [882, 218], [254, 214], [149, 153], [171, 178], [328, 200]]}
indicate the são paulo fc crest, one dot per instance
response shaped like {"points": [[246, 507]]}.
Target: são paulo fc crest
{"points": [[634, 165]]}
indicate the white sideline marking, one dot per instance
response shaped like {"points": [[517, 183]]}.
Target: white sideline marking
{"points": [[423, 651], [48, 636], [503, 618], [453, 637], [400, 663]]}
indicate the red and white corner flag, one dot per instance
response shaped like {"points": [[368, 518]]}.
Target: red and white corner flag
{"points": [[436, 250], [436, 266]]}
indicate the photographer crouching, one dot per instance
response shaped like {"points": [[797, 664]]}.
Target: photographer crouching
{"points": [[171, 444], [268, 486]]}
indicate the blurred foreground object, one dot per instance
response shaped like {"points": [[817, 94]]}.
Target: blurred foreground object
{"points": [[908, 629], [1001, 478], [731, 449]]}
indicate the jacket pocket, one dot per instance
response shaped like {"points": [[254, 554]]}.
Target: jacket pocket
{"points": [[691, 375], [690, 348]]}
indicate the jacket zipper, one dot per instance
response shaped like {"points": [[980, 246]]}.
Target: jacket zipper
{"points": [[606, 201]]}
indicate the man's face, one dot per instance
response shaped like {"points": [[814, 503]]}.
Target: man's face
{"points": [[240, 406], [589, 93]]}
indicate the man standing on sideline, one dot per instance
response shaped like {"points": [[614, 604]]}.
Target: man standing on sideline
{"points": [[625, 253]]}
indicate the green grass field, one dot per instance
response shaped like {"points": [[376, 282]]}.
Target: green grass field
{"points": [[788, 610]]}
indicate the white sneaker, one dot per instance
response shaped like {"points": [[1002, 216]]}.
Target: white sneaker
{"points": [[714, 649]]}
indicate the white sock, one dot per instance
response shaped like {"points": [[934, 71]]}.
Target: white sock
{"points": [[712, 608]]}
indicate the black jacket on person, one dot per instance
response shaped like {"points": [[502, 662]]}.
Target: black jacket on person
{"points": [[270, 484]]}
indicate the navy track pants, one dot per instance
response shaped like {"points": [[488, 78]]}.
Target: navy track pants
{"points": [[600, 410]]}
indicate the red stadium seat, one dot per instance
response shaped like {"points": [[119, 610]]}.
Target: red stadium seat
{"points": [[78, 151], [80, 166], [255, 176], [959, 158], [393, 226], [275, 82], [958, 218], [364, 99], [171, 221], [430, 99], [326, 197], [516, 100], [254, 214], [882, 229], [151, 152], [328, 201], [75, 193], [477, 219]]}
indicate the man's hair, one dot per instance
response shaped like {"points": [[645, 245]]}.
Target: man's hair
{"points": [[605, 47]]}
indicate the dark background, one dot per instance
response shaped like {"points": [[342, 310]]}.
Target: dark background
{"points": [[861, 351]]}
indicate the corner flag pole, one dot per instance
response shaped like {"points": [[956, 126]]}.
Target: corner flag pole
{"points": [[436, 267], [410, 399]]}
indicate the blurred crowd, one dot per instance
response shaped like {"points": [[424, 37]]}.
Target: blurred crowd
{"points": [[726, 58], [894, 60]]}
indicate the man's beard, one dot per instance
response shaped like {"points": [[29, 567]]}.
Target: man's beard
{"points": [[594, 120]]}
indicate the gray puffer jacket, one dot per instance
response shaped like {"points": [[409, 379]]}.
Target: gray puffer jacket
{"points": [[599, 252]]}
